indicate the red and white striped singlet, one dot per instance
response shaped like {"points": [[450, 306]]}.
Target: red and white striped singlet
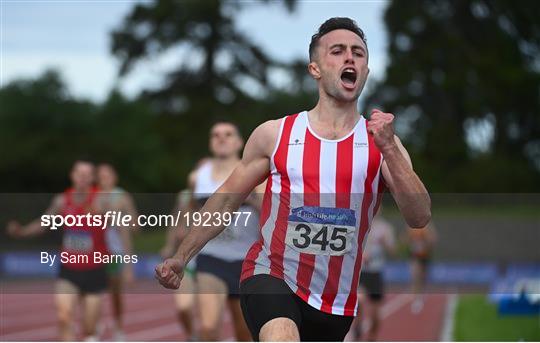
{"points": [[320, 198]]}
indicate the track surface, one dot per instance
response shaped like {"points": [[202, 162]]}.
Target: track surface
{"points": [[152, 317]]}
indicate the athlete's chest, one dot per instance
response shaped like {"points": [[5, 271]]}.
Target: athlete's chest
{"points": [[322, 166]]}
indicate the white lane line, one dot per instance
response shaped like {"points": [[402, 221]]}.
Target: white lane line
{"points": [[395, 304], [388, 308], [447, 333]]}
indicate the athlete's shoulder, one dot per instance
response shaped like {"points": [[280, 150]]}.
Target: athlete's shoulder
{"points": [[264, 137], [192, 177]]}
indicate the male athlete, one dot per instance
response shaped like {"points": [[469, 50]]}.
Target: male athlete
{"points": [[118, 239], [325, 169], [420, 243], [184, 297], [78, 281], [219, 263], [379, 243]]}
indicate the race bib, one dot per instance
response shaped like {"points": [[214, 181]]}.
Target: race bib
{"points": [[321, 230], [78, 241]]}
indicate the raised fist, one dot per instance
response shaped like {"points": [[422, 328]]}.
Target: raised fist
{"points": [[380, 125]]}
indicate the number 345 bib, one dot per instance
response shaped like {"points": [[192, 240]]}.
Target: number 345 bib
{"points": [[321, 230]]}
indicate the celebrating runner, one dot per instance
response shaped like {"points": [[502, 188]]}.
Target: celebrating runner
{"points": [[325, 169]]}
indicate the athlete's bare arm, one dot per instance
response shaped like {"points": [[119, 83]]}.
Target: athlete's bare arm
{"points": [[250, 172], [256, 197], [34, 228], [177, 234], [406, 187]]}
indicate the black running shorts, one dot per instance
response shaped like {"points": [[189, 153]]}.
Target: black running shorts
{"points": [[87, 281], [373, 283], [264, 297], [228, 272]]}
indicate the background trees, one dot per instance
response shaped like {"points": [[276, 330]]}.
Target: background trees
{"points": [[463, 80]]}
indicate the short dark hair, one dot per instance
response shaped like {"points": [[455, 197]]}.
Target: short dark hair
{"points": [[226, 121], [336, 23], [83, 159]]}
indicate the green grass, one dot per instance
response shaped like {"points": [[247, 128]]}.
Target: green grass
{"points": [[477, 320]]}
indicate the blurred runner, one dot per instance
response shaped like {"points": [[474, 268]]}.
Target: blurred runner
{"points": [[219, 263], [420, 243], [118, 239], [184, 297], [77, 281], [380, 242]]}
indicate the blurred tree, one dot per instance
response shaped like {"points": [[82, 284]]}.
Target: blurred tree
{"points": [[128, 137], [221, 72], [155, 139], [42, 130], [464, 81], [216, 61]]}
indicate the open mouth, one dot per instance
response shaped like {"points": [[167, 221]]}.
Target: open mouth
{"points": [[348, 76]]}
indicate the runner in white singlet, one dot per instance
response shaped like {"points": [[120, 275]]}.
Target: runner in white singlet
{"points": [[219, 263]]}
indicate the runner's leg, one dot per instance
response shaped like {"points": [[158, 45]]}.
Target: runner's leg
{"points": [[91, 315], [65, 300], [115, 288], [185, 300], [212, 296], [279, 329]]}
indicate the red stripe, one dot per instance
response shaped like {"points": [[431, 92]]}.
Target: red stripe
{"points": [[277, 245], [344, 165], [248, 267], [374, 162], [310, 178]]}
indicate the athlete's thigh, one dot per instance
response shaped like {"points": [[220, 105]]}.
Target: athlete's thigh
{"points": [[185, 295], [92, 309], [209, 283], [65, 298], [268, 305], [320, 326], [91, 303], [211, 296]]}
